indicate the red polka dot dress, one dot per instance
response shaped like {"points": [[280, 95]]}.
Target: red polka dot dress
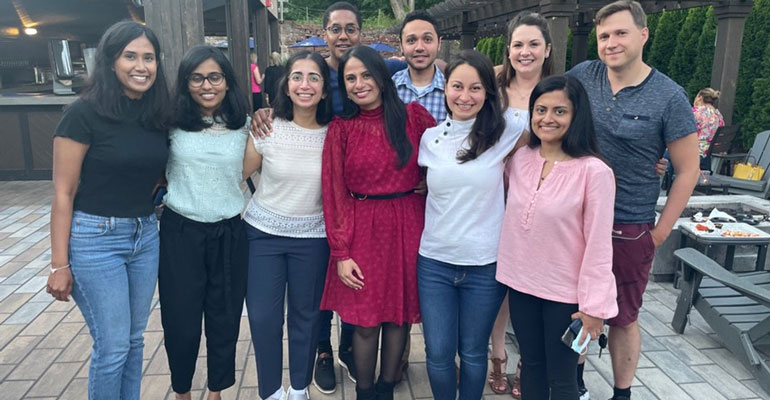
{"points": [[381, 236]]}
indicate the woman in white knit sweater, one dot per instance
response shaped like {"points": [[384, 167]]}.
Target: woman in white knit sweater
{"points": [[287, 238]]}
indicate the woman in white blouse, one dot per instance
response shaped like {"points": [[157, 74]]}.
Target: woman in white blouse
{"points": [[459, 297], [288, 252]]}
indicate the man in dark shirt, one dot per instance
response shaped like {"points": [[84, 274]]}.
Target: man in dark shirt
{"points": [[638, 113]]}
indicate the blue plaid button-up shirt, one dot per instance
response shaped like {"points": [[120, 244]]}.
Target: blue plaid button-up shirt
{"points": [[431, 97]]}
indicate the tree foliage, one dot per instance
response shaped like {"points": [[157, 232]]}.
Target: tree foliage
{"points": [[680, 66], [666, 32], [704, 55], [756, 35], [758, 116]]}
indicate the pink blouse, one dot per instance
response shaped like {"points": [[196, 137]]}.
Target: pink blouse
{"points": [[556, 241]]}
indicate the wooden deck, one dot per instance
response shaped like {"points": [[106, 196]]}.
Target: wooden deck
{"points": [[44, 345]]}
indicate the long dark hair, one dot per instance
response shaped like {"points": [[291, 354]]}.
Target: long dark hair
{"points": [[505, 77], [284, 107], [234, 107], [103, 90], [580, 139], [394, 110], [489, 124]]}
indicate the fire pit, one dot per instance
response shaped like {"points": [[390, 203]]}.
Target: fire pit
{"points": [[745, 256]]}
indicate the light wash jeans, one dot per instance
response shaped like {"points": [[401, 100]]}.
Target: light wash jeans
{"points": [[459, 305], [115, 267]]}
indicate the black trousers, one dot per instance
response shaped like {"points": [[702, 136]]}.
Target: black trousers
{"points": [[202, 273], [548, 367], [293, 269]]}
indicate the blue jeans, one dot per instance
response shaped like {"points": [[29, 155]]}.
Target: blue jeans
{"points": [[459, 305], [115, 267]]}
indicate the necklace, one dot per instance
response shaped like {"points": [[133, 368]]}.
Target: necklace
{"points": [[522, 97], [544, 173]]}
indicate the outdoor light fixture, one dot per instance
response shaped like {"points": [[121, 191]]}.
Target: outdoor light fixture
{"points": [[30, 31]]}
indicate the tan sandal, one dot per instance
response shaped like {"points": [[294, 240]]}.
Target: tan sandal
{"points": [[516, 391], [497, 380]]}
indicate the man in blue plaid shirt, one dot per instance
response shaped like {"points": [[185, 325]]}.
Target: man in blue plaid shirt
{"points": [[422, 81]]}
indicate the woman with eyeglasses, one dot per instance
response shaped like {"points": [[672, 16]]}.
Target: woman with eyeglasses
{"points": [[203, 245], [288, 252]]}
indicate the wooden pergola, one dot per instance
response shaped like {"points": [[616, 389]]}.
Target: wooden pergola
{"points": [[468, 20], [180, 24]]}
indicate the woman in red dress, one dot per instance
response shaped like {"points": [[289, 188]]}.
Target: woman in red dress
{"points": [[373, 217]]}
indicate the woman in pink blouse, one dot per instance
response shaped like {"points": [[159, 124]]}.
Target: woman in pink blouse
{"points": [[555, 250]]}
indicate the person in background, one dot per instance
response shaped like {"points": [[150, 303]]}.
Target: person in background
{"points": [[708, 119], [110, 149], [459, 296], [273, 74], [638, 113], [289, 253], [373, 216], [256, 81], [526, 60], [556, 244], [203, 247]]}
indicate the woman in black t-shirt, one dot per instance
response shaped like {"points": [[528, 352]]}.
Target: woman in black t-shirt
{"points": [[110, 149]]}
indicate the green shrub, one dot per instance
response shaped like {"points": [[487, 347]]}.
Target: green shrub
{"points": [[704, 56], [681, 66], [758, 116], [664, 42]]}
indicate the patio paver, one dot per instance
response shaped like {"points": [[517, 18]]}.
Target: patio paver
{"points": [[44, 345]]}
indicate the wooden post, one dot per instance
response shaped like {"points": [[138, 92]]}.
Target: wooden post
{"points": [[275, 35], [558, 14], [262, 36], [179, 26], [731, 16], [236, 17], [467, 33], [580, 32]]}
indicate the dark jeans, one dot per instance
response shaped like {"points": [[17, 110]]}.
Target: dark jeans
{"points": [[202, 274], [291, 270], [325, 333], [459, 305], [548, 366]]}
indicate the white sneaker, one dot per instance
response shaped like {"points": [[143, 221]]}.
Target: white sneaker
{"points": [[584, 394], [279, 394], [295, 394]]}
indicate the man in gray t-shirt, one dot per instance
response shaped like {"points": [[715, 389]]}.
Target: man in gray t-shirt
{"points": [[638, 113]]}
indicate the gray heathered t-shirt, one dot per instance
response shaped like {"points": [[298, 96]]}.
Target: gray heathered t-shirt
{"points": [[633, 127]]}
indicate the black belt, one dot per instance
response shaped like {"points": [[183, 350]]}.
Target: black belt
{"points": [[359, 196]]}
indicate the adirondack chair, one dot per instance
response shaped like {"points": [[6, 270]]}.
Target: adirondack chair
{"points": [[759, 154], [736, 307]]}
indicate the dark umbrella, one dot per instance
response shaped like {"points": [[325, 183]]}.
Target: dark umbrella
{"points": [[379, 46]]}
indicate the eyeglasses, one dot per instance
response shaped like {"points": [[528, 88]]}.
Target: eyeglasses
{"points": [[311, 77], [350, 29], [214, 78]]}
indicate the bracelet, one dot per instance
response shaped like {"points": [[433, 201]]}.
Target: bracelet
{"points": [[59, 268]]}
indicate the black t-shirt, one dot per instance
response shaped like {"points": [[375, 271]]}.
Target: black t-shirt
{"points": [[122, 164], [272, 76]]}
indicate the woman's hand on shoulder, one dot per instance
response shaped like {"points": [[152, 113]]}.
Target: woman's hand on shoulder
{"points": [[262, 122], [350, 274], [60, 284]]}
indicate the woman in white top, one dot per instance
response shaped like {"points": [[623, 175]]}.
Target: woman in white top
{"points": [[288, 252], [459, 297], [526, 60]]}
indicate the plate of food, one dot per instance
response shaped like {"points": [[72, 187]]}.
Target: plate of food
{"points": [[726, 231]]}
